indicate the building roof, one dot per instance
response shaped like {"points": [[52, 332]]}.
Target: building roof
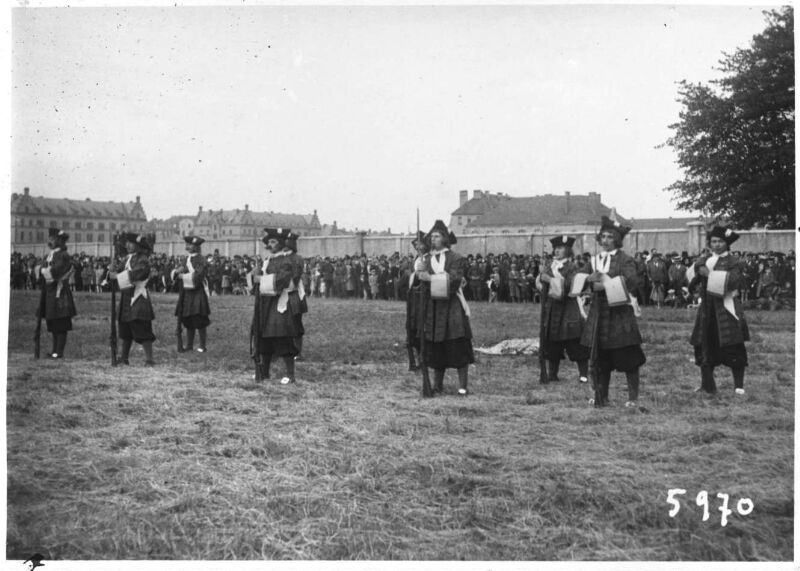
{"points": [[661, 223], [548, 209], [263, 219], [81, 208], [480, 204]]}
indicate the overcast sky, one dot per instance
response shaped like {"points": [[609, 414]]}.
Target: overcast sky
{"points": [[362, 113]]}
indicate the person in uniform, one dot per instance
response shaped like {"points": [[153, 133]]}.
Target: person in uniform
{"points": [[192, 308], [135, 309], [278, 322], [59, 305], [413, 306], [563, 322], [720, 329], [448, 336], [611, 332]]}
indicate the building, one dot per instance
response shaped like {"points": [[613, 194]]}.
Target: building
{"points": [[547, 214], [237, 224], [88, 222]]}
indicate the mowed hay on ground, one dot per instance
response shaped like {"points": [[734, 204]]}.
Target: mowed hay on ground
{"points": [[193, 460]]}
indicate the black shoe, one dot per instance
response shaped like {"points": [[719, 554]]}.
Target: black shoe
{"points": [[149, 363]]}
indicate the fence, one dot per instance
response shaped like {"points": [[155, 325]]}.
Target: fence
{"points": [[691, 239]]}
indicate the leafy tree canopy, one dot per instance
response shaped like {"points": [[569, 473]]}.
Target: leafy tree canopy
{"points": [[735, 137]]}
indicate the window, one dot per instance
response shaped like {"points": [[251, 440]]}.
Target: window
{"points": [[89, 237], [113, 226], [101, 226], [40, 223], [101, 237], [54, 224], [66, 225], [77, 225], [78, 236], [40, 236], [90, 226], [459, 221]]}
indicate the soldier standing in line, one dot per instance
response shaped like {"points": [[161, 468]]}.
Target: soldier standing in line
{"points": [[563, 323], [281, 302], [193, 308], [413, 306], [448, 335], [59, 305], [611, 332], [135, 309], [720, 329]]}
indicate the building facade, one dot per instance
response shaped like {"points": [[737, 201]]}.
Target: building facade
{"points": [[237, 224], [547, 214], [88, 222]]}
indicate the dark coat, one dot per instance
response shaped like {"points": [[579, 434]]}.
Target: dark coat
{"points": [[729, 331], [142, 309], [63, 305], [562, 317], [445, 319], [194, 301], [616, 326], [288, 270]]}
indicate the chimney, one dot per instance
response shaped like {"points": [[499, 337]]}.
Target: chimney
{"points": [[477, 194], [138, 200], [27, 191], [200, 210], [566, 201], [463, 196], [246, 207]]}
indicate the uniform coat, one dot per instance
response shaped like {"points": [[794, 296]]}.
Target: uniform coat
{"points": [[193, 303], [142, 309], [562, 317], [617, 326], [727, 330], [288, 269], [446, 319], [63, 305]]}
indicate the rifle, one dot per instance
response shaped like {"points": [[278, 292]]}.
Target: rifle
{"points": [[113, 337], [178, 324], [255, 346], [595, 348], [424, 294], [39, 314], [542, 335]]}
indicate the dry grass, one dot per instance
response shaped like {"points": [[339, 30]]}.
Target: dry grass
{"points": [[192, 460]]}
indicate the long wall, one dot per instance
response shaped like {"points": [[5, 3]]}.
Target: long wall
{"points": [[690, 239]]}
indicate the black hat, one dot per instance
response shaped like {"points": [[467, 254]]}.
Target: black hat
{"points": [[279, 234], [420, 238], [291, 241], [564, 240], [452, 237], [606, 224], [194, 240], [58, 234], [36, 559], [723, 233], [440, 227]]}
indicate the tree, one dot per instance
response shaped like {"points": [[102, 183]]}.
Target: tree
{"points": [[735, 138]]}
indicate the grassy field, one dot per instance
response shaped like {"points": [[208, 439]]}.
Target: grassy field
{"points": [[193, 460]]}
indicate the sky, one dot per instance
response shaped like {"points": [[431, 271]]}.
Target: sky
{"points": [[362, 113]]}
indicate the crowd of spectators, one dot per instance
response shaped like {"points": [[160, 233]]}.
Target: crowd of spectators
{"points": [[502, 278]]}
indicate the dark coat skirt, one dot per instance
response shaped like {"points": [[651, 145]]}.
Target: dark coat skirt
{"points": [[718, 337]]}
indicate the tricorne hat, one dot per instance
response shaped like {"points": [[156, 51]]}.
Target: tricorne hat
{"points": [[440, 227], [420, 237], [278, 234], [194, 240], [58, 234], [723, 233], [564, 240], [291, 241], [606, 224]]}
